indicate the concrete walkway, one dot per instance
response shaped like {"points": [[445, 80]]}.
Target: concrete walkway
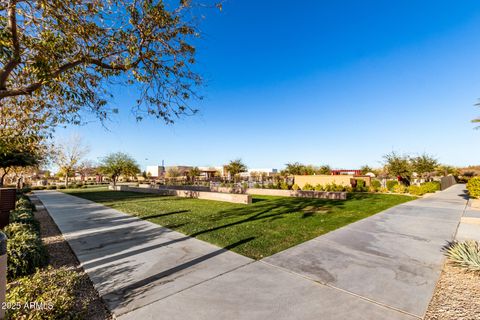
{"points": [[382, 267]]}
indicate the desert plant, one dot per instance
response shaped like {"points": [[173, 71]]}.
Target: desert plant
{"points": [[464, 254], [473, 187], [295, 187], [391, 184], [50, 287], [430, 187], [399, 188], [416, 190], [375, 184], [284, 186], [307, 187], [319, 187], [360, 187], [25, 250]]}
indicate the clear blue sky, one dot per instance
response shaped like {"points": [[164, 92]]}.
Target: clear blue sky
{"points": [[320, 82]]}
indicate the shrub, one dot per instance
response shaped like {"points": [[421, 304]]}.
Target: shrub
{"points": [[62, 187], [25, 250], [24, 216], [319, 187], [391, 184], [52, 288], [26, 190], [416, 190], [383, 190], [270, 186], [284, 186], [464, 254], [399, 188], [51, 187], [307, 187], [473, 187], [375, 185], [38, 188], [23, 204], [360, 187], [257, 185], [295, 187], [430, 187]]}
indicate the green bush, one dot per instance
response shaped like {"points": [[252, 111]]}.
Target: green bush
{"points": [[307, 187], [319, 187], [295, 187], [51, 187], [62, 187], [23, 204], [360, 187], [473, 187], [38, 188], [391, 184], [257, 186], [416, 190], [52, 289], [284, 186], [375, 185], [430, 187], [464, 254], [399, 188], [25, 250], [26, 190]]}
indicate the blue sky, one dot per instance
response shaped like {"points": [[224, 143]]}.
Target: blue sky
{"points": [[321, 82]]}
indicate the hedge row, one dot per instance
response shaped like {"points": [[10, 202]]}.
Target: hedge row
{"points": [[25, 250], [473, 187]]}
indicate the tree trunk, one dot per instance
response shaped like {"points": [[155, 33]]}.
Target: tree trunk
{"points": [[66, 180]]}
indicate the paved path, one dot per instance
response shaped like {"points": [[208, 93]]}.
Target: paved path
{"points": [[382, 267]]}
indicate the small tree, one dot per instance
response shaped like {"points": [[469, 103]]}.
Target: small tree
{"points": [[235, 167], [68, 156], [424, 165], [87, 168], [20, 151], [294, 168], [116, 164], [325, 169], [398, 165], [194, 172], [12, 159]]}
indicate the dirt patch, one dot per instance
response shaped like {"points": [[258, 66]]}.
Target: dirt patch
{"points": [[60, 255], [457, 296]]}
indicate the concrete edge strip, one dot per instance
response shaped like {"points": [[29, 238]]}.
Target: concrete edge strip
{"points": [[343, 290], [188, 288]]}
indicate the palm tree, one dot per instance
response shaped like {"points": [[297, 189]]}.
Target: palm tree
{"points": [[194, 172], [235, 167]]}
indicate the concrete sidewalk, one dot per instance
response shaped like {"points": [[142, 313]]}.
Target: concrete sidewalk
{"points": [[382, 267]]}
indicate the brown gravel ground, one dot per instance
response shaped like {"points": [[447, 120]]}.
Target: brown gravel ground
{"points": [[456, 297], [89, 304]]}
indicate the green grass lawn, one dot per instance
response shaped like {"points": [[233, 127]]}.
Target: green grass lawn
{"points": [[269, 225]]}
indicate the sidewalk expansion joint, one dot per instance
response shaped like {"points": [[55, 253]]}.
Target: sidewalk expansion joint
{"points": [[344, 291]]}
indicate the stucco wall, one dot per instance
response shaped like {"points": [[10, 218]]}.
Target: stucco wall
{"points": [[299, 193], [313, 180], [216, 196]]}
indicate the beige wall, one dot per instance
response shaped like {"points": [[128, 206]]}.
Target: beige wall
{"points": [[313, 180], [216, 196], [298, 194]]}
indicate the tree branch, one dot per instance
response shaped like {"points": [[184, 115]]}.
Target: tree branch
{"points": [[16, 59], [28, 89]]}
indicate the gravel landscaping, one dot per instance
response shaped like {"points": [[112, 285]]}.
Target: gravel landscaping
{"points": [[87, 299], [457, 296]]}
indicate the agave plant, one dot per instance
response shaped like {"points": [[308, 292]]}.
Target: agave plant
{"points": [[464, 254]]}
